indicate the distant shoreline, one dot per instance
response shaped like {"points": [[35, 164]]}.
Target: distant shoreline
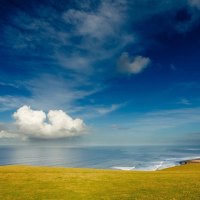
{"points": [[183, 162], [193, 161]]}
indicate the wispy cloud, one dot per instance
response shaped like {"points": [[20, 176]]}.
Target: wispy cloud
{"points": [[105, 110], [184, 101], [51, 92], [164, 120], [99, 24], [76, 37], [173, 67], [95, 111], [68, 43], [8, 102], [195, 3], [7, 84]]}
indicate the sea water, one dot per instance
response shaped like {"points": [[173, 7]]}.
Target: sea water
{"points": [[102, 157]]}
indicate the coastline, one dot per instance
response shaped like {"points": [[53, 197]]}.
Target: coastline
{"points": [[192, 161], [116, 168]]}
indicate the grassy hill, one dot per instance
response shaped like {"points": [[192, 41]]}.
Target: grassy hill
{"points": [[27, 183]]}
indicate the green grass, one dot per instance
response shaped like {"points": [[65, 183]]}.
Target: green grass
{"points": [[27, 183]]}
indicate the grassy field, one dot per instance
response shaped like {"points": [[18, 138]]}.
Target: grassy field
{"points": [[27, 183]]}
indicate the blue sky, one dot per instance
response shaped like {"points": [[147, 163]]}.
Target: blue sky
{"points": [[128, 70]]}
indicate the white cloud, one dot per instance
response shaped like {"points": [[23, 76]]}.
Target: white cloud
{"points": [[37, 124], [132, 66], [6, 134]]}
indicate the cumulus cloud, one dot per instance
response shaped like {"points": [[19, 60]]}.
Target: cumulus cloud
{"points": [[37, 124], [132, 66]]}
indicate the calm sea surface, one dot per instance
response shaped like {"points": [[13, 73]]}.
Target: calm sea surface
{"points": [[109, 157]]}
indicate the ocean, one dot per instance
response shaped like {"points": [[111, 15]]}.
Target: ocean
{"points": [[148, 158]]}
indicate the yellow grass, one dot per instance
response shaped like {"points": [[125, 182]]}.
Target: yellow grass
{"points": [[27, 183]]}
